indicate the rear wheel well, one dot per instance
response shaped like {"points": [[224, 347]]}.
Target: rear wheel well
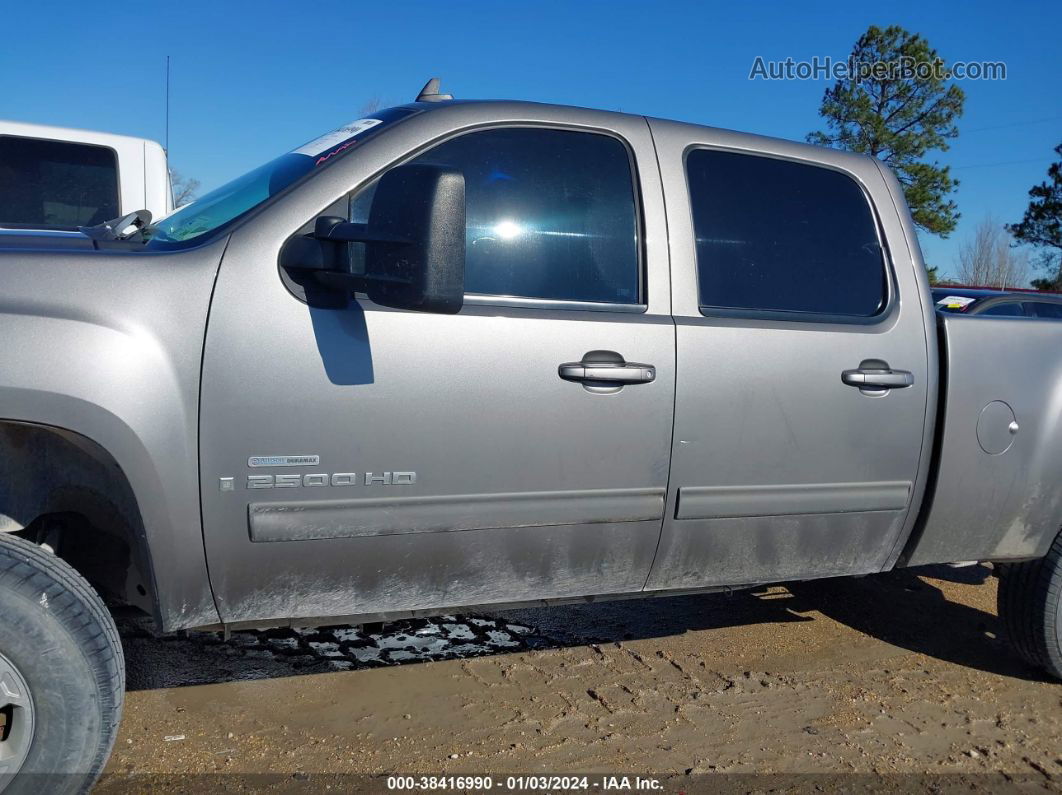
{"points": [[62, 490]]}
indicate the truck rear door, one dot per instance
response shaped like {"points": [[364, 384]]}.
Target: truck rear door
{"points": [[359, 459], [802, 363]]}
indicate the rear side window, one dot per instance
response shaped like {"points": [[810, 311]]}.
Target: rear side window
{"points": [[56, 184], [774, 235], [549, 214], [1046, 310], [1012, 309]]}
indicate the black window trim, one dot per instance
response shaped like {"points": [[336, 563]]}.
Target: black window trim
{"points": [[117, 178], [884, 313], [640, 306]]}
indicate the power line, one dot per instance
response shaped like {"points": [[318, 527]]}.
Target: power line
{"points": [[1002, 163], [1013, 124]]}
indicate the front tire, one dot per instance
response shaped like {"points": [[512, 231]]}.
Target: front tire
{"points": [[1030, 605], [62, 674]]}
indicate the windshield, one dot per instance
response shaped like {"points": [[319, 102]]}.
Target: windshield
{"points": [[224, 205]]}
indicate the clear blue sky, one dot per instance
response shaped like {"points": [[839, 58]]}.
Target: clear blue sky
{"points": [[253, 79]]}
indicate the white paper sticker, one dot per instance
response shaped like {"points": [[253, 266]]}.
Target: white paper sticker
{"points": [[955, 301], [320, 145]]}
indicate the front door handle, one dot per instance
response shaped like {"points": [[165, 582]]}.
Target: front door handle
{"points": [[630, 373], [875, 376], [606, 370]]}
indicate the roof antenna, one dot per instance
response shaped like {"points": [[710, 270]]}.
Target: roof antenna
{"points": [[430, 92], [167, 106]]}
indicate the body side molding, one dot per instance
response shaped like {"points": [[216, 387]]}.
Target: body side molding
{"points": [[320, 519], [724, 502]]}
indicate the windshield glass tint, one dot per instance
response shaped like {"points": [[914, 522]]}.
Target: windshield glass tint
{"points": [[224, 205]]}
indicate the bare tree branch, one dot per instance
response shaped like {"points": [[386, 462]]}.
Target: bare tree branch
{"points": [[185, 189], [987, 258]]}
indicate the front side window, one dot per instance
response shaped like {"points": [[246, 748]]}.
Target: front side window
{"points": [[56, 184], [550, 214], [774, 235]]}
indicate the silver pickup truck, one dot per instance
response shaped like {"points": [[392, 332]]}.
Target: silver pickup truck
{"points": [[467, 354]]}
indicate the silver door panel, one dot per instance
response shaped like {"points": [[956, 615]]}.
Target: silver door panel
{"points": [[779, 469], [756, 549], [429, 571], [525, 486]]}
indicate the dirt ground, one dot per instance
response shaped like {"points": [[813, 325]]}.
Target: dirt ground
{"points": [[895, 682]]}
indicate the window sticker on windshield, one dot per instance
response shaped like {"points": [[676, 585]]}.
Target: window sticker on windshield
{"points": [[335, 139], [955, 301]]}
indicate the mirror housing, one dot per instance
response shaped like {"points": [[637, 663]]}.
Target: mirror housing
{"points": [[414, 243]]}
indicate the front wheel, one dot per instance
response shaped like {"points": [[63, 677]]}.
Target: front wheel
{"points": [[1030, 606], [62, 674]]}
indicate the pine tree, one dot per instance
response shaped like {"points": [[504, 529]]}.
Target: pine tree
{"points": [[1041, 226], [898, 115]]}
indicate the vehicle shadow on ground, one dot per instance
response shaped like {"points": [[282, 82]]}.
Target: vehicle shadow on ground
{"points": [[900, 608], [903, 609]]}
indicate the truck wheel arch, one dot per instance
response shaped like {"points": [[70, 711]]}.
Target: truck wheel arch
{"points": [[63, 489]]}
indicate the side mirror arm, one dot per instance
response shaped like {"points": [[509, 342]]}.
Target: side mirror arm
{"points": [[331, 227], [323, 254]]}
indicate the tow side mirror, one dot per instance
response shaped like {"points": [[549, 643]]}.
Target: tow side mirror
{"points": [[425, 205], [414, 243]]}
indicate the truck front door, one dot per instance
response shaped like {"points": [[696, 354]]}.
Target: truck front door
{"points": [[363, 460], [803, 368]]}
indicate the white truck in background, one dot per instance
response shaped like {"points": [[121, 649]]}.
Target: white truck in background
{"points": [[56, 179]]}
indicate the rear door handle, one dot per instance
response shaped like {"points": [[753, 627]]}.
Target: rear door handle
{"points": [[874, 375], [607, 370], [630, 373]]}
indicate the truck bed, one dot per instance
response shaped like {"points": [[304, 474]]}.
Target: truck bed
{"points": [[995, 491]]}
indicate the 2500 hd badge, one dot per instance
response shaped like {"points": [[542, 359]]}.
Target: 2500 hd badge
{"points": [[288, 481]]}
